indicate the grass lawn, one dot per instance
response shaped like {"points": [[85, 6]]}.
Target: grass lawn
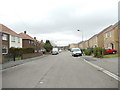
{"points": [[18, 58], [110, 56]]}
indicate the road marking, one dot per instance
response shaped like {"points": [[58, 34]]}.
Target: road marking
{"points": [[104, 71], [41, 82]]}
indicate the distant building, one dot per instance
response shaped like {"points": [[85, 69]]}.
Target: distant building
{"points": [[80, 45], [73, 46], [9, 39], [83, 44]]}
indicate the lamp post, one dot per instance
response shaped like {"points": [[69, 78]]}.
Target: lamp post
{"points": [[81, 33]]}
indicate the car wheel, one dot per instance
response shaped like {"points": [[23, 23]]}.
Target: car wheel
{"points": [[114, 52]]}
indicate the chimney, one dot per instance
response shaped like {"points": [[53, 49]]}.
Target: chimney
{"points": [[25, 32], [41, 41], [35, 38]]}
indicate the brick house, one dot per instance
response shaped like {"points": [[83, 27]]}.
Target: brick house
{"points": [[81, 45], [93, 41], [111, 37], [29, 42], [101, 37], [86, 44], [9, 39]]}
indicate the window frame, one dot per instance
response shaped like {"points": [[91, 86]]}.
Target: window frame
{"points": [[4, 47], [4, 37], [12, 38]]}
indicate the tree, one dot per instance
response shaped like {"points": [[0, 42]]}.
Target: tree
{"points": [[48, 46]]}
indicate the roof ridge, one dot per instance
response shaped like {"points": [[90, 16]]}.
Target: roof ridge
{"points": [[7, 30]]}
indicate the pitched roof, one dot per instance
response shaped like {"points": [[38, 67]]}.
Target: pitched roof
{"points": [[26, 36], [113, 26], [105, 29], [7, 30], [93, 36]]}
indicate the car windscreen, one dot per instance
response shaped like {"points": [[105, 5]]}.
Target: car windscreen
{"points": [[76, 50]]}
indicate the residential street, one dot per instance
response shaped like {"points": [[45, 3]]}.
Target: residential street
{"points": [[56, 71]]}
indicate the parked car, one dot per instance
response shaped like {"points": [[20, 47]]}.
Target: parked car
{"points": [[42, 50], [60, 51], [76, 52], [110, 51], [55, 51]]}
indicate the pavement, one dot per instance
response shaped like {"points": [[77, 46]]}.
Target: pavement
{"points": [[19, 62], [56, 71], [110, 64]]}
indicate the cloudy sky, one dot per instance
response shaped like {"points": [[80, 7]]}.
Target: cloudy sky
{"points": [[59, 20]]}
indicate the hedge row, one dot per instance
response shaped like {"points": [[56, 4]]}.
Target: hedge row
{"points": [[15, 52], [20, 51], [97, 52]]}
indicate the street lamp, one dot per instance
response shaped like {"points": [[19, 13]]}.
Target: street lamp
{"points": [[81, 33]]}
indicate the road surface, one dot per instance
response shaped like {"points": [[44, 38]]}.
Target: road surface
{"points": [[57, 71]]}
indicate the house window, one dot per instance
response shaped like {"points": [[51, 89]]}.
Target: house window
{"points": [[29, 42], [106, 35], [4, 50], [4, 37], [18, 40], [110, 34], [12, 38], [96, 39]]}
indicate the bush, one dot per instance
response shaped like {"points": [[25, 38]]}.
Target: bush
{"points": [[88, 52], [98, 52]]}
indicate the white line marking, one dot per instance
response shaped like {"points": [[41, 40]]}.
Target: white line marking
{"points": [[103, 70], [41, 82]]}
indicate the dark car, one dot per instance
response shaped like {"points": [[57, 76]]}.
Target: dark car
{"points": [[110, 51]]}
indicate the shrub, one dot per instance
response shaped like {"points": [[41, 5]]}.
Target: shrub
{"points": [[98, 52], [88, 52]]}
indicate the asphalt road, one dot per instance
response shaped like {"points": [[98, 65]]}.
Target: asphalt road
{"points": [[56, 71]]}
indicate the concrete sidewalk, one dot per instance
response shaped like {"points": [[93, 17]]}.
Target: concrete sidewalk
{"points": [[18, 62], [110, 64]]}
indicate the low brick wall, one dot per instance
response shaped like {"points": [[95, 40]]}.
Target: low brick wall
{"points": [[31, 55]]}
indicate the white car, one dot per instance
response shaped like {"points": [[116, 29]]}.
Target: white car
{"points": [[60, 51], [55, 51], [76, 52]]}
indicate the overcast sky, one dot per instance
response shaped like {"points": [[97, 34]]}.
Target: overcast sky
{"points": [[59, 20]]}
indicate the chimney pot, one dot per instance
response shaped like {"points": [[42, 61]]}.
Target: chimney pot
{"points": [[34, 37], [25, 32]]}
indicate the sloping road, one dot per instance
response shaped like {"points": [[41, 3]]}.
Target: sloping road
{"points": [[56, 71]]}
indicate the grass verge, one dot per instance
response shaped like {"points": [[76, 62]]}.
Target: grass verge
{"points": [[110, 56]]}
